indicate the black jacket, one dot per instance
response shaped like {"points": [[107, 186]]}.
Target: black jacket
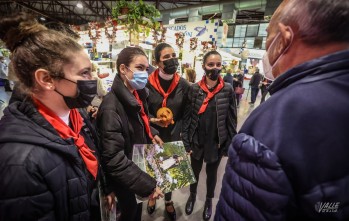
{"points": [[255, 80], [226, 116], [43, 176], [120, 127], [176, 102], [229, 79]]}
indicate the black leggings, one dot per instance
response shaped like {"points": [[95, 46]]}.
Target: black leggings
{"points": [[211, 172], [168, 196], [130, 210]]}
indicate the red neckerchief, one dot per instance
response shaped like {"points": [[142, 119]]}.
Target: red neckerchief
{"points": [[66, 132], [210, 94], [144, 116], [154, 81]]}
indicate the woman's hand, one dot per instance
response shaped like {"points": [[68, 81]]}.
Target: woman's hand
{"points": [[110, 200], [158, 122], [92, 111], [156, 194], [157, 140]]}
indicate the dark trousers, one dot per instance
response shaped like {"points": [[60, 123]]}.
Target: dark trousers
{"points": [[211, 172], [264, 94], [130, 210], [238, 97], [7, 85], [168, 196], [254, 93]]}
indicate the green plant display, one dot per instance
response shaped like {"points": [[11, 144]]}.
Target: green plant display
{"points": [[140, 17], [169, 164]]}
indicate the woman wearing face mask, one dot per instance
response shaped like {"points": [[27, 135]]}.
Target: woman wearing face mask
{"points": [[208, 127], [122, 121], [48, 157], [166, 89]]}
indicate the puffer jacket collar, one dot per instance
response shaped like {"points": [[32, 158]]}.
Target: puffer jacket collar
{"points": [[320, 68], [126, 97]]}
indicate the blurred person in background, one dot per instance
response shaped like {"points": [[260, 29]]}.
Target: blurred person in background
{"points": [[254, 85], [265, 83], [190, 75]]}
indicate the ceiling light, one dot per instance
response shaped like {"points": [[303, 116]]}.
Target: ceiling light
{"points": [[42, 18], [79, 5]]}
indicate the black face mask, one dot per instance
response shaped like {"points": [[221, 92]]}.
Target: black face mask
{"points": [[171, 66], [213, 74], [87, 90]]}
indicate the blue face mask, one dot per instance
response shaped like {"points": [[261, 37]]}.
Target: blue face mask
{"points": [[140, 79]]}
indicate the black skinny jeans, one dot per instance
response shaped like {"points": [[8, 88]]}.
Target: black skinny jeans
{"points": [[211, 172]]}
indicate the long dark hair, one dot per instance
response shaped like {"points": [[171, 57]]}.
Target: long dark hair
{"points": [[158, 49], [126, 56]]}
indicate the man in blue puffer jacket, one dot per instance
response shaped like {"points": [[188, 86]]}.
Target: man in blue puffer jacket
{"points": [[298, 167]]}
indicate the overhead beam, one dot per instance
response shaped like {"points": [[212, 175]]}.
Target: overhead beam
{"points": [[107, 7], [36, 11], [97, 14], [70, 11]]}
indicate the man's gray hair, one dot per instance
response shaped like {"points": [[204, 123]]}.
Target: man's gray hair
{"points": [[318, 21]]}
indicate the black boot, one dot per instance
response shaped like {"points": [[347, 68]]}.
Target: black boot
{"points": [[207, 209], [7, 85], [171, 214], [190, 203], [151, 209]]}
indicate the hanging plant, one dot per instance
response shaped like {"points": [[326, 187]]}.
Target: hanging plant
{"points": [[179, 39], [140, 17]]}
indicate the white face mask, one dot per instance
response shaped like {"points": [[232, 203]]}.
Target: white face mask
{"points": [[267, 67]]}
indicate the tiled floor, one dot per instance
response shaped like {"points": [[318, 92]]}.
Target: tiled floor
{"points": [[180, 196]]}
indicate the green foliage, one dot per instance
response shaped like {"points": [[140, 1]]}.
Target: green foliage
{"points": [[139, 18]]}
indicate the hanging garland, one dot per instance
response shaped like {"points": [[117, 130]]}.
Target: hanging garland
{"points": [[208, 45], [94, 27], [204, 45], [110, 23], [179, 39], [193, 43], [75, 28], [156, 34]]}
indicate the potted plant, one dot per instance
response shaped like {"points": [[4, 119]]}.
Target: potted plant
{"points": [[122, 7], [140, 16]]}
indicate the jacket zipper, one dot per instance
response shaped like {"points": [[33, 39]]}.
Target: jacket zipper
{"points": [[141, 121], [202, 93], [219, 139]]}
